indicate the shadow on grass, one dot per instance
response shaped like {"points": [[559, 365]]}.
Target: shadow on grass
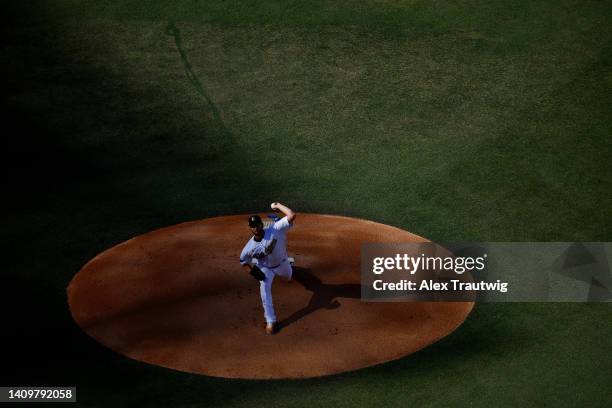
{"points": [[83, 172]]}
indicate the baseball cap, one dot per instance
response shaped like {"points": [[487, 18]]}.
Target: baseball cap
{"points": [[255, 220]]}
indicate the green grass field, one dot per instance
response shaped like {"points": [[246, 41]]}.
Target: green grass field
{"points": [[456, 120]]}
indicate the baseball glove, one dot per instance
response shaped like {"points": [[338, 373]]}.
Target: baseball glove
{"points": [[257, 273]]}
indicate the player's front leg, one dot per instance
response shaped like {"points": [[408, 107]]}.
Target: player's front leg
{"points": [[265, 289]]}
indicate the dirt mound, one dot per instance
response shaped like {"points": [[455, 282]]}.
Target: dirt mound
{"points": [[178, 298]]}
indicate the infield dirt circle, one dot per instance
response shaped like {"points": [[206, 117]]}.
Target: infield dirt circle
{"points": [[178, 298]]}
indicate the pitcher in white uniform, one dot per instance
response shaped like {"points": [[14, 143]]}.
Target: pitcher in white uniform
{"points": [[268, 250]]}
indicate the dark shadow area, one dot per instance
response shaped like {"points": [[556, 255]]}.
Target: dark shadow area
{"points": [[71, 139], [323, 296]]}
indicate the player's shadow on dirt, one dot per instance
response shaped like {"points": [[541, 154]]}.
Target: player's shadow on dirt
{"points": [[323, 296]]}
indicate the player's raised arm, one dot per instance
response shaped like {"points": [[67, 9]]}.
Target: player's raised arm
{"points": [[285, 210]]}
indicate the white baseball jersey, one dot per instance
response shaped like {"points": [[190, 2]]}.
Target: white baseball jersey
{"points": [[271, 250]]}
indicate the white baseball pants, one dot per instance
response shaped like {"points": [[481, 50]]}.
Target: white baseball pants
{"points": [[265, 287]]}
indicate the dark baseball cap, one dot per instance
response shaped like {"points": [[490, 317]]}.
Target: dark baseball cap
{"points": [[255, 220]]}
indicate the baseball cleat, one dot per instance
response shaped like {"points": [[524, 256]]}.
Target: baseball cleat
{"points": [[271, 328]]}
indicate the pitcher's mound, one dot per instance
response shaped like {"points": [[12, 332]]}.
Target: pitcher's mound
{"points": [[178, 298]]}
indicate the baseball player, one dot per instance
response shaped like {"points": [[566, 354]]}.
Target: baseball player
{"points": [[265, 256]]}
